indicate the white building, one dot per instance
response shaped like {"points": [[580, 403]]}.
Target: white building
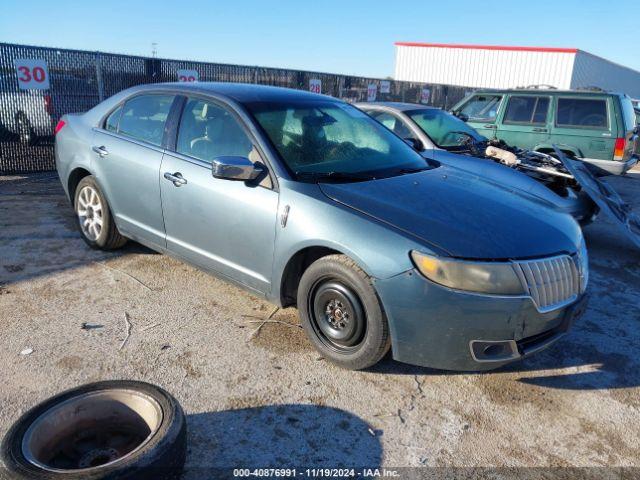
{"points": [[484, 66]]}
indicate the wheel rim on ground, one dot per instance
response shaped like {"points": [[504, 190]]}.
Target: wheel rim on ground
{"points": [[91, 430], [89, 210], [336, 315]]}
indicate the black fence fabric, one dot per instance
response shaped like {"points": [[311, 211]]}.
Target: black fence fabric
{"points": [[77, 80]]}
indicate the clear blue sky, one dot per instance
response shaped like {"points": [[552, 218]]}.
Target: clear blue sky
{"points": [[349, 36]]}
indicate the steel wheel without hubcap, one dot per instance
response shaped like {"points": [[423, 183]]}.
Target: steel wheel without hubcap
{"points": [[89, 211], [337, 315], [91, 430]]}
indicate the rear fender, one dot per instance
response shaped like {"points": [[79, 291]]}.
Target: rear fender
{"points": [[549, 148]]}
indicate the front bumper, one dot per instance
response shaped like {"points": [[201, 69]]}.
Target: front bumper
{"points": [[437, 327]]}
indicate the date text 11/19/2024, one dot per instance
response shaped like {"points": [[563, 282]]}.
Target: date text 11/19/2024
{"points": [[316, 472]]}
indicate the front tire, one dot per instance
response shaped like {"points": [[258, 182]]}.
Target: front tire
{"points": [[95, 221], [342, 314]]}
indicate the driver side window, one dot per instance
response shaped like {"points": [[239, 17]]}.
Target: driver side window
{"points": [[208, 131]]}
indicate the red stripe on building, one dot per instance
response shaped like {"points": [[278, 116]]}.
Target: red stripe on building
{"points": [[488, 47]]}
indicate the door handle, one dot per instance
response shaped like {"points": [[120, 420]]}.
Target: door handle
{"points": [[101, 150], [490, 125], [537, 129], [176, 178]]}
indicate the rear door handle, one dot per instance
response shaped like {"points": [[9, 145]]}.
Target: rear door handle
{"points": [[537, 129], [101, 150], [176, 178]]}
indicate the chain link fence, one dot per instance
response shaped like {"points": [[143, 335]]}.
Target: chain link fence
{"points": [[77, 80]]}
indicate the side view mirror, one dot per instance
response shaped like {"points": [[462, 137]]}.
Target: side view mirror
{"points": [[235, 168], [415, 143]]}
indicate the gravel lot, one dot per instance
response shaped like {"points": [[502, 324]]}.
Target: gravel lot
{"points": [[269, 399]]}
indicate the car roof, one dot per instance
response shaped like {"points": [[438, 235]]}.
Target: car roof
{"points": [[547, 91], [399, 106], [241, 92]]}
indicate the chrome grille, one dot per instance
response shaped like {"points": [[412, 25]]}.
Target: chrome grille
{"points": [[551, 282]]}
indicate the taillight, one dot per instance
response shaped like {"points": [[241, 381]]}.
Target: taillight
{"points": [[60, 124], [618, 149], [48, 104]]}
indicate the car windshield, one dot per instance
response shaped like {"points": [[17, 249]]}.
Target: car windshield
{"points": [[482, 108], [444, 129], [334, 141]]}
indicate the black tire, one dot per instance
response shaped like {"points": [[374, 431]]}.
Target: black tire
{"points": [[109, 237], [355, 335], [161, 458], [26, 135]]}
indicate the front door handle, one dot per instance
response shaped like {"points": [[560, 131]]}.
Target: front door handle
{"points": [[176, 178], [100, 150], [490, 125], [538, 129]]}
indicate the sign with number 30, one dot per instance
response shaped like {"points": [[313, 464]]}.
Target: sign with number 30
{"points": [[32, 74]]}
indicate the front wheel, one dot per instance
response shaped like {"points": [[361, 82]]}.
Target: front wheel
{"points": [[341, 313]]}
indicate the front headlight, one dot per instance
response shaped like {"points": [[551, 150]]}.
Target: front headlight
{"points": [[497, 278]]}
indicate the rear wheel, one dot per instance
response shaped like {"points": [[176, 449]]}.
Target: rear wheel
{"points": [[94, 216], [341, 313], [25, 131]]}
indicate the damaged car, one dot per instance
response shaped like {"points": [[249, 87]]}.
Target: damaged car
{"points": [[441, 136], [306, 201]]}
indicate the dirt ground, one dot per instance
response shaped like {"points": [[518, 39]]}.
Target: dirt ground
{"points": [[269, 399]]}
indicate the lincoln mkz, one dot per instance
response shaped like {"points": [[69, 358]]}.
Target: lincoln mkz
{"points": [[309, 202]]}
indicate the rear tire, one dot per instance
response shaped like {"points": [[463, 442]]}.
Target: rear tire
{"points": [[342, 314], [95, 221], [26, 134]]}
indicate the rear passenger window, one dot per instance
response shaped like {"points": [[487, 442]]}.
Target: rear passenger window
{"points": [[527, 110], [582, 112], [208, 131], [143, 117], [111, 124]]}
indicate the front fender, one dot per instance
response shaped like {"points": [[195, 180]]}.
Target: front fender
{"points": [[316, 221]]}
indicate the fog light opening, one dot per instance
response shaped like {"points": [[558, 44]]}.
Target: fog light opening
{"points": [[494, 350]]}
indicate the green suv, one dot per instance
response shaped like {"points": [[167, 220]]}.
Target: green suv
{"points": [[597, 127]]}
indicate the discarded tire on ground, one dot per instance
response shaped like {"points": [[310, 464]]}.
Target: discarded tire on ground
{"points": [[105, 430]]}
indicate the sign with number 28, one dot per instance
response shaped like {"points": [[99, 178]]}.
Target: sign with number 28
{"points": [[188, 75]]}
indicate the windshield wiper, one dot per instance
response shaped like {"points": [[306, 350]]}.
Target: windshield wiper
{"points": [[346, 176]]}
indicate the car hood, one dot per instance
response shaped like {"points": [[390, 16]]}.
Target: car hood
{"points": [[494, 172], [462, 215]]}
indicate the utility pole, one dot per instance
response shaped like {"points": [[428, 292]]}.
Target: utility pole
{"points": [[154, 50]]}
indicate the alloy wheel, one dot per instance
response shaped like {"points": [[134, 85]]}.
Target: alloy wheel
{"points": [[90, 213]]}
